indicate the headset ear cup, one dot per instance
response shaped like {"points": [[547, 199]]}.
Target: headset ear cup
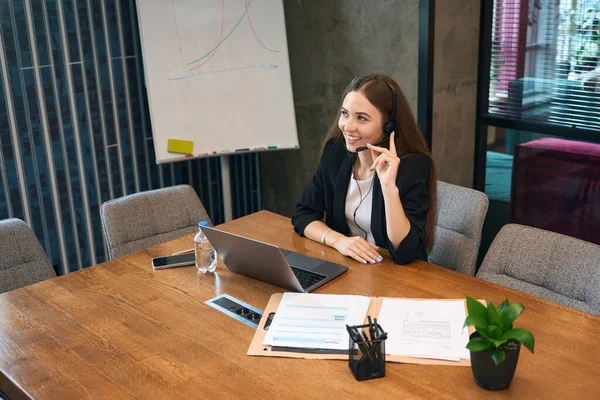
{"points": [[394, 126], [390, 126]]}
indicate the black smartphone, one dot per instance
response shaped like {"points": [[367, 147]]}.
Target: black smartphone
{"points": [[179, 260]]}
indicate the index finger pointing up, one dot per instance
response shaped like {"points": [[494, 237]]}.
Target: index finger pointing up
{"points": [[393, 143]]}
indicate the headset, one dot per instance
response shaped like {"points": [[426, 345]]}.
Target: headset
{"points": [[391, 125]]}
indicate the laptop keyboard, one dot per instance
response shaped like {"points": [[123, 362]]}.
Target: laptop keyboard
{"points": [[307, 278]]}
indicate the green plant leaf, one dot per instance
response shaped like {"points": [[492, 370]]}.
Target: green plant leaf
{"points": [[498, 342], [502, 306], [497, 356], [510, 313], [522, 335], [479, 344], [477, 313], [477, 322], [484, 332], [493, 329], [495, 325]]}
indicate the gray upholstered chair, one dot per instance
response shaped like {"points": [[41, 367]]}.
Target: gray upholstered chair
{"points": [[22, 259], [461, 212], [545, 264], [138, 221]]}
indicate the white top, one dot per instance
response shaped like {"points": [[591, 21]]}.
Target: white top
{"points": [[363, 212]]}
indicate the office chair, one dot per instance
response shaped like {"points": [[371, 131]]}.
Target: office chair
{"points": [[142, 220], [22, 259], [545, 264], [461, 212]]}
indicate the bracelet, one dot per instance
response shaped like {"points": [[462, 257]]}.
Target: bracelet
{"points": [[324, 235]]}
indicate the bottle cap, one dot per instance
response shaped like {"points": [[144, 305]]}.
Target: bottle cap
{"points": [[202, 223]]}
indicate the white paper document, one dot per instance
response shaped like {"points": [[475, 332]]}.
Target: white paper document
{"points": [[316, 321], [425, 328]]}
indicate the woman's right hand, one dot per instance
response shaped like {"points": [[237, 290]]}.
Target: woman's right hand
{"points": [[359, 249]]}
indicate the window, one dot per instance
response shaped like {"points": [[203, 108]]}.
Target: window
{"points": [[544, 62]]}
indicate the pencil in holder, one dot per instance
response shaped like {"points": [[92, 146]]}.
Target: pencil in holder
{"points": [[366, 352]]}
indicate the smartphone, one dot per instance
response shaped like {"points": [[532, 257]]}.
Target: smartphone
{"points": [[179, 260]]}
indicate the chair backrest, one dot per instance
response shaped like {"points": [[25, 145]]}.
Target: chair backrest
{"points": [[461, 212], [142, 220], [22, 259], [545, 264]]}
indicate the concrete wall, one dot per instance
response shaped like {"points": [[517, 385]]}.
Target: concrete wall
{"points": [[456, 48], [329, 43]]}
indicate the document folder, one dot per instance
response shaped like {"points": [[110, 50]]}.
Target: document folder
{"points": [[258, 349]]}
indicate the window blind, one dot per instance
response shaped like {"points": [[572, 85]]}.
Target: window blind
{"points": [[544, 62]]}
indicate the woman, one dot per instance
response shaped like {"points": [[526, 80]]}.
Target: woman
{"points": [[376, 181]]}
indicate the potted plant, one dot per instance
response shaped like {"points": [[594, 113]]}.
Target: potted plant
{"points": [[495, 344]]}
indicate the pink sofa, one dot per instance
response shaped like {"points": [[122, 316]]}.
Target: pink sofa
{"points": [[556, 186]]}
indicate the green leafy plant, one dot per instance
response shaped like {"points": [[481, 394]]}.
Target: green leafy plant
{"points": [[495, 327], [579, 24]]}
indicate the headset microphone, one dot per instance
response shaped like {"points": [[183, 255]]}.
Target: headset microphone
{"points": [[382, 143]]}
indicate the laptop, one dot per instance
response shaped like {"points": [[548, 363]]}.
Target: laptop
{"points": [[268, 263]]}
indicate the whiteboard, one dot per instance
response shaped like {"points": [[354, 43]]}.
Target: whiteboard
{"points": [[218, 75]]}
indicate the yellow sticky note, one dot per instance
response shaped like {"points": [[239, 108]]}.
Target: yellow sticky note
{"points": [[180, 146]]}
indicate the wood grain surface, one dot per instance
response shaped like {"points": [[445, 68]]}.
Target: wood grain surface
{"points": [[121, 330]]}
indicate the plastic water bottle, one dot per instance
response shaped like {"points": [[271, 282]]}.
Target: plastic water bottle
{"points": [[206, 257]]}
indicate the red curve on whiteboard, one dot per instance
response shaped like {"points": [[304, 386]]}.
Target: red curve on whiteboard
{"points": [[218, 40], [254, 33]]}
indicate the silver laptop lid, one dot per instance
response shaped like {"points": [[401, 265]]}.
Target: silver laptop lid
{"points": [[253, 258]]}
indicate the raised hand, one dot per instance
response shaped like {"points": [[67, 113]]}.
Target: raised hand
{"points": [[386, 163]]}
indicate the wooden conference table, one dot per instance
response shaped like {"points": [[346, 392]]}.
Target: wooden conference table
{"points": [[120, 330]]}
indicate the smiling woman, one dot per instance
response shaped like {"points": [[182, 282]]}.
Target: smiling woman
{"points": [[373, 195], [360, 121]]}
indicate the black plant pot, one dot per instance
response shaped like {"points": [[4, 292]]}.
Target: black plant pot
{"points": [[489, 376]]}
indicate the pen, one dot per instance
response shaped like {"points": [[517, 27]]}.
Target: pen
{"points": [[353, 334], [364, 335], [350, 331], [237, 150], [362, 344], [367, 346]]}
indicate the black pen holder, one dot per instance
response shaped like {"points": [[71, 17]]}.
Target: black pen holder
{"points": [[366, 359]]}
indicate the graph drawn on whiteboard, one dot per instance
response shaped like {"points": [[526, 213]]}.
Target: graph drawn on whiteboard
{"points": [[217, 74]]}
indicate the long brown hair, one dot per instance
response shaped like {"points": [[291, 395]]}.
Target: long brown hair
{"points": [[408, 139]]}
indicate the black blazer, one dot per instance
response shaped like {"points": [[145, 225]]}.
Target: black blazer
{"points": [[325, 194]]}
